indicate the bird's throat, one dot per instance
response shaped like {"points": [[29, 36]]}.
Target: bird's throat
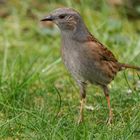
{"points": [[80, 33]]}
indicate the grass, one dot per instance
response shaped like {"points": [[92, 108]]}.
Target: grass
{"points": [[38, 97]]}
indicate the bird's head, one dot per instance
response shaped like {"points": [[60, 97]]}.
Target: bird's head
{"points": [[67, 19]]}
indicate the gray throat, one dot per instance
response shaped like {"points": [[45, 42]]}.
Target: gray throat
{"points": [[80, 33]]}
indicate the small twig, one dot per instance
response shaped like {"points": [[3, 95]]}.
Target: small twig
{"points": [[59, 107]]}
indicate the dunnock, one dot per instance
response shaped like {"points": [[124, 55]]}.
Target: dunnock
{"points": [[85, 57]]}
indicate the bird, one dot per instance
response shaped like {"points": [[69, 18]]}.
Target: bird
{"points": [[86, 58]]}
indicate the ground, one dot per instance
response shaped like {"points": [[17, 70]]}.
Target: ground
{"points": [[38, 97]]}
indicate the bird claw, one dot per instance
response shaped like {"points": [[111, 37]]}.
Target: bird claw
{"points": [[80, 120], [110, 120]]}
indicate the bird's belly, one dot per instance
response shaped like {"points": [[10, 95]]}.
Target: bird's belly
{"points": [[73, 64], [83, 68]]}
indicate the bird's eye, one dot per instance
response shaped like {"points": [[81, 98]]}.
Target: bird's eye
{"points": [[62, 16]]}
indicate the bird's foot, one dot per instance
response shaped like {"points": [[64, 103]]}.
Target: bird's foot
{"points": [[80, 120], [110, 119]]}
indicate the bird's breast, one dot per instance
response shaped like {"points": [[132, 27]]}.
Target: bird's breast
{"points": [[71, 58]]}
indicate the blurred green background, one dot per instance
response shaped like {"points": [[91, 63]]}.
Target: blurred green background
{"points": [[38, 97]]}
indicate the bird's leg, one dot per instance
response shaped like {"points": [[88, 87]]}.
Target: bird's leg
{"points": [[106, 92], [81, 117], [83, 98]]}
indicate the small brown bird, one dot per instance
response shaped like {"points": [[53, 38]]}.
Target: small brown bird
{"points": [[85, 57]]}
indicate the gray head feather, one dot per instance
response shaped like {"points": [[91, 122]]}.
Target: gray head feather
{"points": [[70, 23]]}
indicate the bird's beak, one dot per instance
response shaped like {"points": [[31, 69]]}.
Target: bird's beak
{"points": [[48, 18]]}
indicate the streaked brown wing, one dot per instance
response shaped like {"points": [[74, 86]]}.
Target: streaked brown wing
{"points": [[102, 51]]}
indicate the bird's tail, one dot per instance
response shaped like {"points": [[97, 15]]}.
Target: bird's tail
{"points": [[125, 66]]}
